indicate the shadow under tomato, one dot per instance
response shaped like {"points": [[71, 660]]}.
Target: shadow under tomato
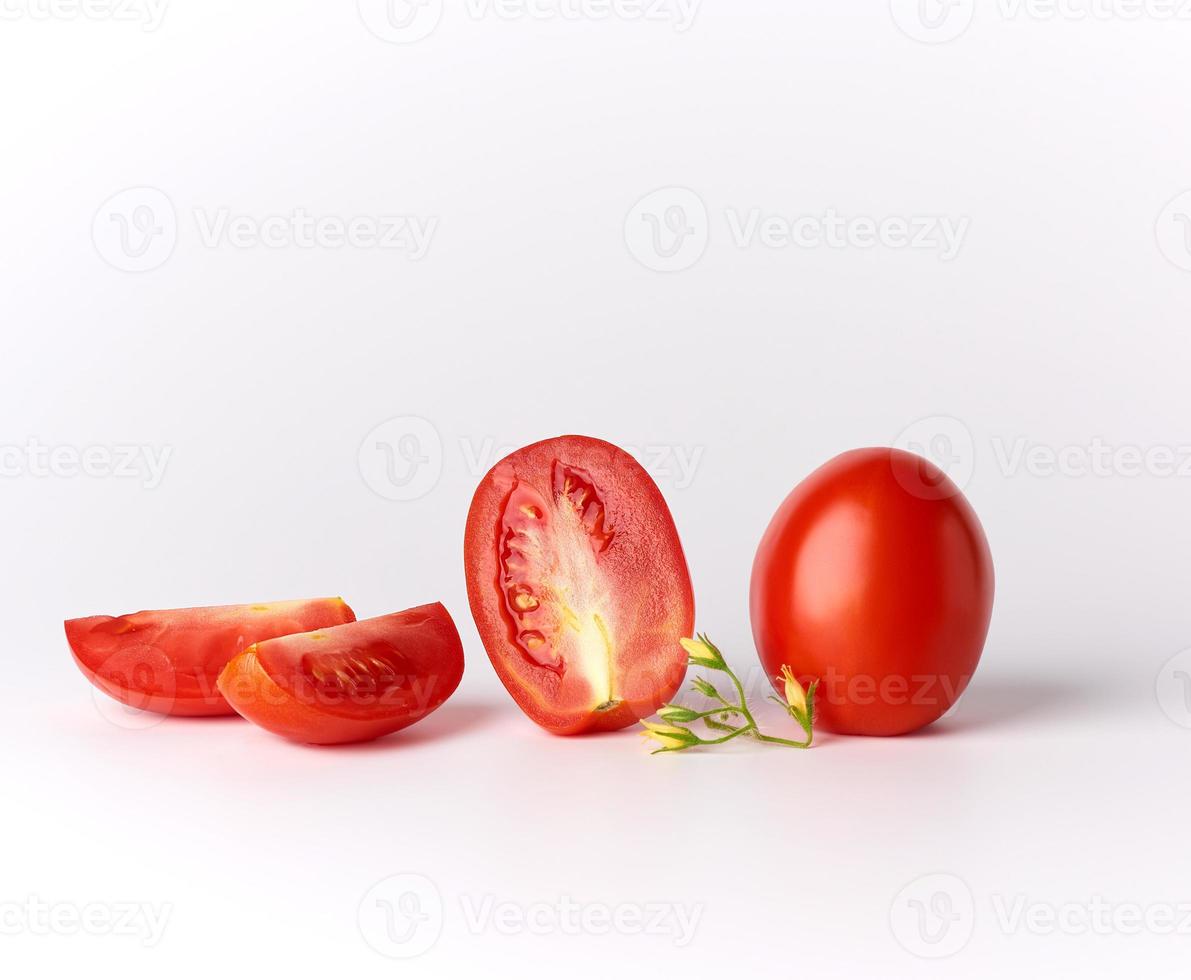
{"points": [[1004, 703], [448, 721]]}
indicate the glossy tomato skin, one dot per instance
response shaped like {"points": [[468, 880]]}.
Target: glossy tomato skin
{"points": [[349, 683], [578, 585], [875, 577], [167, 660]]}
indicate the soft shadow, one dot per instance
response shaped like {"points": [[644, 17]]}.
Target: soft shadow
{"points": [[452, 719], [207, 721], [994, 703]]}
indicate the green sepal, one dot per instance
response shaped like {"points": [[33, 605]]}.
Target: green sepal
{"points": [[676, 712]]}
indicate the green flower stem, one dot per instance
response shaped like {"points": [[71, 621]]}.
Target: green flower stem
{"points": [[784, 741], [712, 712], [705, 654]]}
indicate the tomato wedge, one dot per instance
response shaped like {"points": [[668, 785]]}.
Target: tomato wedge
{"points": [[578, 584], [348, 683], [167, 660]]}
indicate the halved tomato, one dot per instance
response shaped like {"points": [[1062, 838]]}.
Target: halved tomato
{"points": [[349, 683], [167, 660], [578, 584]]}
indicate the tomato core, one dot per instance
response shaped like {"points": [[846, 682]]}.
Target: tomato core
{"points": [[557, 600]]}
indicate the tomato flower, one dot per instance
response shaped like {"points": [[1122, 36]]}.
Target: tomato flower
{"points": [[726, 719], [703, 653], [799, 702], [795, 695], [669, 736]]}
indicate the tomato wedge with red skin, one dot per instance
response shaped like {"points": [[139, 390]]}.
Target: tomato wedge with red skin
{"points": [[349, 683], [874, 577], [578, 585], [167, 660]]}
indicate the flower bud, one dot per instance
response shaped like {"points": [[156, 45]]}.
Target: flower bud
{"points": [[702, 653], [669, 736], [794, 693]]}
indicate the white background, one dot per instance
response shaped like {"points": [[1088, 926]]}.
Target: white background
{"points": [[1061, 324]]}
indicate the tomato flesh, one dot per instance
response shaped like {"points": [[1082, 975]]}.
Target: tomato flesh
{"points": [[349, 683], [168, 660], [578, 584], [874, 577]]}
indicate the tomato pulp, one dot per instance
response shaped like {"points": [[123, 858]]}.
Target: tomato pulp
{"points": [[875, 577], [167, 660], [349, 683], [578, 584]]}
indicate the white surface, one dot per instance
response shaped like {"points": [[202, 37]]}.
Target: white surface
{"points": [[524, 144]]}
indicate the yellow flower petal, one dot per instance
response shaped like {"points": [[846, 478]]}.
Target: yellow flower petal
{"points": [[795, 695], [667, 735]]}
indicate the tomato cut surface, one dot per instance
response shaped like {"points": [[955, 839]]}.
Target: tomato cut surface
{"points": [[167, 660], [874, 577], [578, 584], [349, 683]]}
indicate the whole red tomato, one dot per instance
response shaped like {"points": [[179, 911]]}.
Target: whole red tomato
{"points": [[875, 577]]}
